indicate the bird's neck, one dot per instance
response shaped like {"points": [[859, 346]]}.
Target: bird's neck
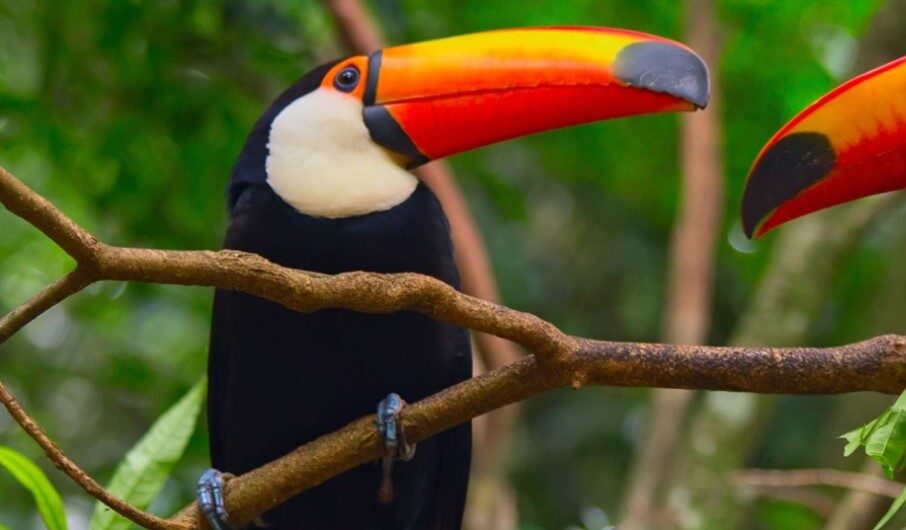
{"points": [[323, 163]]}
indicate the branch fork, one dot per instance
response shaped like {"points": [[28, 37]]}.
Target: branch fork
{"points": [[560, 360]]}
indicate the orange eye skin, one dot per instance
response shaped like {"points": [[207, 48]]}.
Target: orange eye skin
{"points": [[360, 63]]}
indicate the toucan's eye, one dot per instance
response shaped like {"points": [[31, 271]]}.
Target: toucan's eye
{"points": [[347, 79]]}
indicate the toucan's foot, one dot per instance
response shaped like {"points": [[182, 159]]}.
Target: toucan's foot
{"points": [[391, 428], [395, 445], [210, 499]]}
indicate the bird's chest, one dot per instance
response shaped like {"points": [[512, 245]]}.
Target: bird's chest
{"points": [[335, 365]]}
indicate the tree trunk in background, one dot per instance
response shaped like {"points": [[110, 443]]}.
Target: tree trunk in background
{"points": [[688, 315], [491, 504]]}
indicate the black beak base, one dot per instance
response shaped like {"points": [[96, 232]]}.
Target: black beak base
{"points": [[788, 167]]}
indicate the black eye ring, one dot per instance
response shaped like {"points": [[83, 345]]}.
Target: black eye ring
{"points": [[347, 79]]}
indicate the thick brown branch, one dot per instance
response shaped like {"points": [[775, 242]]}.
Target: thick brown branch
{"points": [[876, 364], [305, 292]]}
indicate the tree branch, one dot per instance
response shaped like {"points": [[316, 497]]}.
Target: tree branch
{"points": [[877, 364], [40, 213], [77, 474], [797, 478], [50, 296]]}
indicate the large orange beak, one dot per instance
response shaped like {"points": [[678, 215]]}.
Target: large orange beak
{"points": [[849, 144], [432, 99]]}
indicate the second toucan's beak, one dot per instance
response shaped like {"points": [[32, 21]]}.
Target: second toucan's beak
{"points": [[432, 99], [849, 144]]}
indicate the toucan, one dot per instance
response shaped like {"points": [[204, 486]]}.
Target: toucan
{"points": [[849, 144], [323, 184]]}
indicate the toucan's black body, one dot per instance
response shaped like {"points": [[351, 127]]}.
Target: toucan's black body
{"points": [[279, 378], [336, 145]]}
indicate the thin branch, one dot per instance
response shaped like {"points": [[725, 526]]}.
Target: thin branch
{"points": [[858, 509], [797, 478], [50, 296], [821, 503], [82, 479], [877, 364]]}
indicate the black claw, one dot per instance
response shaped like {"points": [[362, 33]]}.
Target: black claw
{"points": [[210, 500], [395, 445]]}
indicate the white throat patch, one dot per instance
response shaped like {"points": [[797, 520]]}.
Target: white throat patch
{"points": [[322, 161]]}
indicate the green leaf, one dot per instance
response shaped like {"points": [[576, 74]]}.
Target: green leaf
{"points": [[50, 506], [894, 508], [146, 468], [857, 437], [884, 438]]}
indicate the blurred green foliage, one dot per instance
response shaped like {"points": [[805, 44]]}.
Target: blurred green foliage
{"points": [[128, 115]]}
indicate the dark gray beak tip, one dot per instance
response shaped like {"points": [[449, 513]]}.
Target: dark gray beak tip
{"points": [[664, 68]]}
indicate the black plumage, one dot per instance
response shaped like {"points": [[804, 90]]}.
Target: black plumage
{"points": [[279, 378]]}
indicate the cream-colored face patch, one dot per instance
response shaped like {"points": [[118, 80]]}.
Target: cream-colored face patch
{"points": [[322, 161]]}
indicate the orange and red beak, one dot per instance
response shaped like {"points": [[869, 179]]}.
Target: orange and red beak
{"points": [[432, 99], [849, 144]]}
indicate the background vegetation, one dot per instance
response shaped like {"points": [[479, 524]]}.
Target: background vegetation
{"points": [[129, 115]]}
